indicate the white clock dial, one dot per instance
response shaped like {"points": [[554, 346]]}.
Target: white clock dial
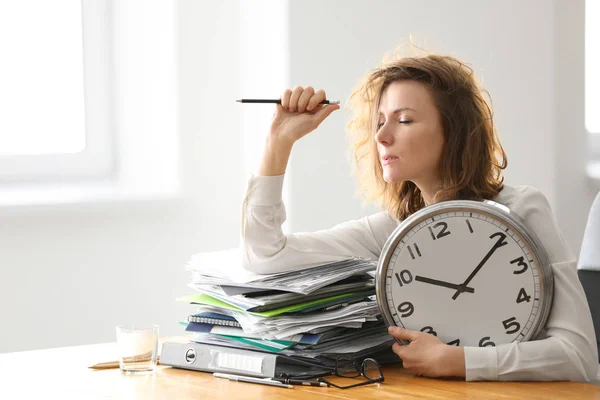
{"points": [[468, 277]]}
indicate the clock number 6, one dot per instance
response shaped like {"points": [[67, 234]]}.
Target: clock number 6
{"points": [[486, 342], [511, 325], [406, 308]]}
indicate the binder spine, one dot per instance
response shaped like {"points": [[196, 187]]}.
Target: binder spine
{"points": [[207, 358]]}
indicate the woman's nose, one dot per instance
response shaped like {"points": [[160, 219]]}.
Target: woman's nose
{"points": [[384, 136]]}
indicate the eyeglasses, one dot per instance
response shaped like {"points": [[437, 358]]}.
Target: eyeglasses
{"points": [[347, 367]]}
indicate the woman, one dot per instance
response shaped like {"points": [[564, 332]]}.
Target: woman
{"points": [[422, 133]]}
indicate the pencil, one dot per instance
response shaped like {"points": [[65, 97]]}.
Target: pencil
{"points": [[105, 365], [278, 101], [113, 364]]}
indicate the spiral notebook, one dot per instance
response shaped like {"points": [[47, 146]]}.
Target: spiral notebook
{"points": [[214, 319]]}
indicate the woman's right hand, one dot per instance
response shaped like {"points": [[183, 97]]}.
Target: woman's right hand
{"points": [[299, 113]]}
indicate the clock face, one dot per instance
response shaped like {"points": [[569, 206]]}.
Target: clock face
{"points": [[467, 277]]}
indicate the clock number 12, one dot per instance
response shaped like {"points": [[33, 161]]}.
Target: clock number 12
{"points": [[440, 234]]}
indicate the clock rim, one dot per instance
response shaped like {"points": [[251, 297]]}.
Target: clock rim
{"points": [[507, 217]]}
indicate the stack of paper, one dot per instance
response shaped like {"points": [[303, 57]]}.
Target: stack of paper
{"points": [[322, 311], [224, 268]]}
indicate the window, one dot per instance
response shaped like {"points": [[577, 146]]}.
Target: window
{"points": [[54, 126], [96, 116]]}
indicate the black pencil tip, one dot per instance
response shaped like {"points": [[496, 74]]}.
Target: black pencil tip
{"points": [[239, 101]]}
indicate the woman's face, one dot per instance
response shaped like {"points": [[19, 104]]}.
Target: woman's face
{"points": [[409, 137]]}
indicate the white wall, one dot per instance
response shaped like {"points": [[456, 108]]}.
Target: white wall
{"points": [[68, 276], [529, 55], [352, 37]]}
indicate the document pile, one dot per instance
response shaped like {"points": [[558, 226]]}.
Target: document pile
{"points": [[318, 313]]}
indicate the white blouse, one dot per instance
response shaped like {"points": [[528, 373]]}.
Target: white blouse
{"points": [[569, 350]]}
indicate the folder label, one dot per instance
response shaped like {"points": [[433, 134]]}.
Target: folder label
{"points": [[237, 362]]}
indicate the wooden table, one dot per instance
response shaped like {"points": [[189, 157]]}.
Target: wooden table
{"points": [[63, 373]]}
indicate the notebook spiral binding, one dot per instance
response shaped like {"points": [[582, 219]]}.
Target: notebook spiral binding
{"points": [[213, 321]]}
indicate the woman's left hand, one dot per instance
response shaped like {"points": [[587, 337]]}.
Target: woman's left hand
{"points": [[427, 355]]}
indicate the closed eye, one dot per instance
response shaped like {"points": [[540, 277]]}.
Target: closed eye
{"points": [[405, 121]]}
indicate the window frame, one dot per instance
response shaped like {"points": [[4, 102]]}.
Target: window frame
{"points": [[97, 159], [138, 97]]}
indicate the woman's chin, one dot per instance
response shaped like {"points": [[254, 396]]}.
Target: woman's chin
{"points": [[393, 178]]}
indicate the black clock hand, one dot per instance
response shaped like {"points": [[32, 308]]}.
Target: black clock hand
{"points": [[499, 243], [442, 283]]}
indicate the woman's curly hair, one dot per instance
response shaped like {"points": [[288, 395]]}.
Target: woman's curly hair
{"points": [[472, 158]]}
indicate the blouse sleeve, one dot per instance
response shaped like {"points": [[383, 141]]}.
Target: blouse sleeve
{"points": [[268, 250]]}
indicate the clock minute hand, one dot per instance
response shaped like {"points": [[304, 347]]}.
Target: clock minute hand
{"points": [[442, 283], [499, 243]]}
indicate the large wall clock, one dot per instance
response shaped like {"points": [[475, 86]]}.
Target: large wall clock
{"points": [[469, 272]]}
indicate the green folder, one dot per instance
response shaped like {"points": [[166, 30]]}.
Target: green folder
{"points": [[211, 301], [269, 345]]}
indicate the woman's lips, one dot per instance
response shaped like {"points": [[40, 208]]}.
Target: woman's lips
{"points": [[388, 160]]}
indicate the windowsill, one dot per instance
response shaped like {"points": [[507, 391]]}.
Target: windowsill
{"points": [[26, 198]]}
